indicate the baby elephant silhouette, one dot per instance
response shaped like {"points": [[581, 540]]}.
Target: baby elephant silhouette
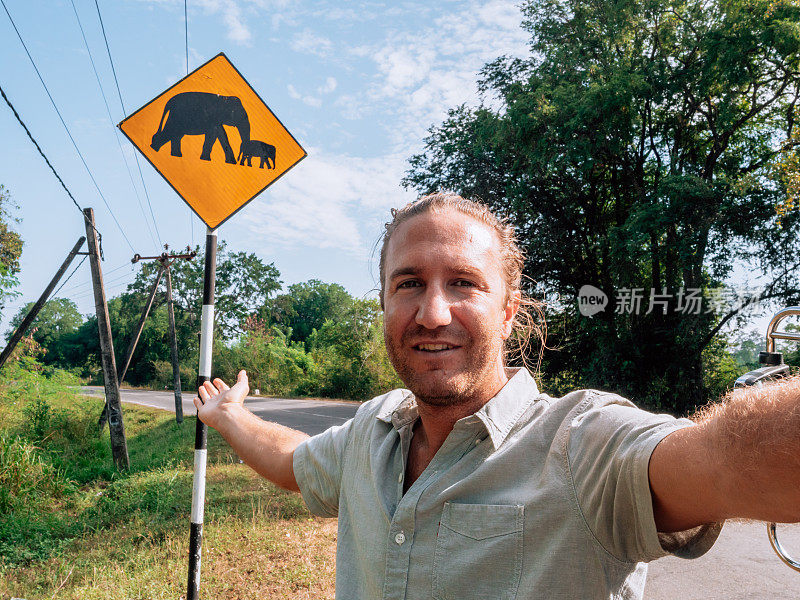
{"points": [[253, 148]]}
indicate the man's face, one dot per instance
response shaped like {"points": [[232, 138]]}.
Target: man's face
{"points": [[446, 316]]}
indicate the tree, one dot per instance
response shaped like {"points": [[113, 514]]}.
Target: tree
{"points": [[10, 249], [350, 354], [306, 306], [243, 284], [58, 318], [637, 148]]}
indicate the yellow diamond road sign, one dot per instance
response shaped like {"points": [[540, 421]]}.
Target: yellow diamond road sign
{"points": [[214, 140]]}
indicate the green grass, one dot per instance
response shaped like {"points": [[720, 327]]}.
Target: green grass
{"points": [[72, 526]]}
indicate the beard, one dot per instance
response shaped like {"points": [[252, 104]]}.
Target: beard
{"points": [[454, 380]]}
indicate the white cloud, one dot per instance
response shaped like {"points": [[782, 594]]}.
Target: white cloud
{"points": [[308, 100], [330, 201], [422, 74], [231, 13], [315, 101], [330, 86], [308, 42]]}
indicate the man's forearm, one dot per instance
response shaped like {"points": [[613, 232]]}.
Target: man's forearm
{"points": [[266, 447], [756, 439], [741, 460]]}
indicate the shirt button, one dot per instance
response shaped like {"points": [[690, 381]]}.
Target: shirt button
{"points": [[400, 538], [400, 478]]}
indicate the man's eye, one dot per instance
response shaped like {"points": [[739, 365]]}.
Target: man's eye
{"points": [[464, 283], [408, 284]]}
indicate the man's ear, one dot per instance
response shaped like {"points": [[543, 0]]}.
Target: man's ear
{"points": [[511, 309]]}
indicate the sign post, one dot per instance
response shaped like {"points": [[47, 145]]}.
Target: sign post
{"points": [[188, 133]]}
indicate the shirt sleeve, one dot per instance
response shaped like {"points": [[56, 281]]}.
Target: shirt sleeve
{"points": [[317, 464], [609, 444]]}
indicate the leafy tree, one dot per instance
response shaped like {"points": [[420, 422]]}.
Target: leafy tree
{"points": [[306, 306], [10, 249], [350, 354], [58, 318], [243, 284], [643, 144]]}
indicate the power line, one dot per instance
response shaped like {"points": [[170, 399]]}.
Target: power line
{"points": [[186, 37], [111, 120], [124, 112], [58, 112], [186, 29], [54, 294], [89, 281], [109, 285], [52, 168]]}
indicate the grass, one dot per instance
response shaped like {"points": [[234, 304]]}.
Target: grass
{"points": [[72, 527]]}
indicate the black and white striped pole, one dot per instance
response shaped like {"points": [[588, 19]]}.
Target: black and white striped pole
{"points": [[201, 432]]}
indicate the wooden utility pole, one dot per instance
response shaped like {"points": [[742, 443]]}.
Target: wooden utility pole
{"points": [[132, 345], [29, 318], [119, 447], [166, 261], [176, 368]]}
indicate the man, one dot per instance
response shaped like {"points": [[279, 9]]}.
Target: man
{"points": [[473, 484]]}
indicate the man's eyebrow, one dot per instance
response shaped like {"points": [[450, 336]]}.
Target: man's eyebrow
{"points": [[404, 271], [460, 269]]}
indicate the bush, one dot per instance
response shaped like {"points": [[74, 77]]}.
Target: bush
{"points": [[24, 476], [351, 358], [274, 364], [162, 376]]}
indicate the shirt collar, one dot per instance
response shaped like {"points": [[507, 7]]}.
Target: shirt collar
{"points": [[498, 415]]}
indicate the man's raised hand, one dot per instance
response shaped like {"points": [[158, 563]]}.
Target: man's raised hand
{"points": [[215, 399]]}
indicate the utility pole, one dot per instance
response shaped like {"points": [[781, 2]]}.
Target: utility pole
{"points": [[119, 447], [132, 345], [166, 261], [176, 367], [29, 318], [135, 339]]}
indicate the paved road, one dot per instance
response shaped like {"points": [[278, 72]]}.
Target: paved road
{"points": [[309, 416], [740, 566]]}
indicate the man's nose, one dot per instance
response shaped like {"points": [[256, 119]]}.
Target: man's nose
{"points": [[434, 309]]}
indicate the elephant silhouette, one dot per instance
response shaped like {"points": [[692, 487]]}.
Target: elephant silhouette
{"points": [[252, 148], [201, 113]]}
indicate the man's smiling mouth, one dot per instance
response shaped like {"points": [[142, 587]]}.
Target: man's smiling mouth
{"points": [[434, 347]]}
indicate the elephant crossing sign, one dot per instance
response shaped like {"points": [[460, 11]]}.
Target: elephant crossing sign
{"points": [[214, 140]]}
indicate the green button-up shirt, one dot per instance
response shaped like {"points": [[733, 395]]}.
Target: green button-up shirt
{"points": [[530, 497]]}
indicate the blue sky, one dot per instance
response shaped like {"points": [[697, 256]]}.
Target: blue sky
{"points": [[358, 84]]}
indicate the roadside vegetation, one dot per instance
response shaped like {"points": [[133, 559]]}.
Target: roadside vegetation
{"points": [[315, 339], [73, 527]]}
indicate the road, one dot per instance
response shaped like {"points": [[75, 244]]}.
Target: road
{"points": [[309, 416], [740, 566]]}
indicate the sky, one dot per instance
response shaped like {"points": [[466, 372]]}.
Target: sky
{"points": [[358, 84]]}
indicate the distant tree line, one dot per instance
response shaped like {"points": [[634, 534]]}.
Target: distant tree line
{"points": [[313, 339]]}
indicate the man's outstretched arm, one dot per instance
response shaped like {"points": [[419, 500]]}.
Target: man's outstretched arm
{"points": [[741, 460], [266, 447]]}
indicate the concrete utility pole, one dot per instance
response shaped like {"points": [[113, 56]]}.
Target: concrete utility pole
{"points": [[29, 318], [135, 339], [119, 447], [176, 367]]}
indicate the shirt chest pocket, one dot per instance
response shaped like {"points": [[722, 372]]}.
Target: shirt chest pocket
{"points": [[478, 552]]}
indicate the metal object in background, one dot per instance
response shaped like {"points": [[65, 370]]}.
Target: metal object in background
{"points": [[774, 368]]}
